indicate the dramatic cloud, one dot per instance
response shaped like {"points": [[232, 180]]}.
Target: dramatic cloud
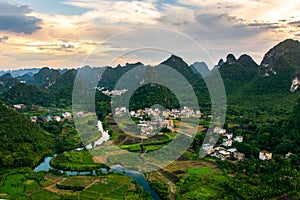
{"points": [[106, 11], [66, 38], [295, 23], [14, 18], [3, 38]]}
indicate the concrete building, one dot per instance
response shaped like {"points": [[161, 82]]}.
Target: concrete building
{"points": [[264, 155]]}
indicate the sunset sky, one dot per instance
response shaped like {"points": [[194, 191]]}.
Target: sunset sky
{"points": [[62, 33]]}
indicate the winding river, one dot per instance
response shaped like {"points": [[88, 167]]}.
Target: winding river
{"points": [[139, 177]]}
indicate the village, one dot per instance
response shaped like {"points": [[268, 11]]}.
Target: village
{"points": [[157, 121], [151, 120], [112, 92], [48, 117], [226, 151]]}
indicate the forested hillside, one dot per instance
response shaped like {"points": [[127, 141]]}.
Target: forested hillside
{"points": [[22, 143]]}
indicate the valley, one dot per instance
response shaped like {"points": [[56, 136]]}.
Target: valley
{"points": [[256, 155]]}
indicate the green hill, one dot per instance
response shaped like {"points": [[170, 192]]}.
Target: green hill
{"points": [[45, 77], [7, 81], [26, 94], [22, 143]]}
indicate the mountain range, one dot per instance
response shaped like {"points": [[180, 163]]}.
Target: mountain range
{"points": [[246, 82]]}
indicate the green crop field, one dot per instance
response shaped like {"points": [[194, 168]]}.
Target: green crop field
{"points": [[202, 170], [75, 161]]}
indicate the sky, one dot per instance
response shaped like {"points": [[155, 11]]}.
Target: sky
{"points": [[73, 33]]}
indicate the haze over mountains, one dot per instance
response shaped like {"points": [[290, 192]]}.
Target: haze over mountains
{"points": [[245, 81], [262, 109]]}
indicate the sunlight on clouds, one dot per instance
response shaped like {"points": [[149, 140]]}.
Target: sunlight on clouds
{"points": [[119, 11], [248, 26]]}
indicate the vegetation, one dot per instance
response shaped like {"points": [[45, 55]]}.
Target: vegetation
{"points": [[115, 186], [196, 171], [22, 143], [75, 161], [260, 108]]}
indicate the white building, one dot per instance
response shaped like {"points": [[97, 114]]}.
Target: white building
{"points": [[208, 148], [19, 106], [120, 111], [223, 154], [227, 143], [229, 136], [33, 119], [288, 155], [57, 118], [264, 155], [67, 115], [239, 139], [219, 130]]}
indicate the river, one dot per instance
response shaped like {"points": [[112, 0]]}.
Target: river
{"points": [[139, 177]]}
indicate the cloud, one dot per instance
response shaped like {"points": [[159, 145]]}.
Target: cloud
{"points": [[111, 12], [264, 25], [245, 26], [223, 26], [54, 47], [3, 38], [295, 23], [14, 18]]}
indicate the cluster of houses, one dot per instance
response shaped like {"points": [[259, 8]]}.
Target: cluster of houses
{"points": [[185, 112], [113, 92], [152, 127], [48, 118], [228, 138], [159, 119], [225, 151]]}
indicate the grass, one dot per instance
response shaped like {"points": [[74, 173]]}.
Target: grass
{"points": [[17, 187], [197, 171], [75, 161], [202, 192], [114, 186], [127, 160], [79, 181], [151, 145], [14, 186], [32, 188], [44, 194]]}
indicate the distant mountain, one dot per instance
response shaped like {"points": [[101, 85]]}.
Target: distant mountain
{"points": [[196, 81], [182, 67], [26, 78], [7, 81], [246, 82], [45, 77], [267, 85], [281, 65], [112, 74], [280, 58], [236, 73], [22, 143], [200, 67], [26, 94], [20, 72], [62, 89]]}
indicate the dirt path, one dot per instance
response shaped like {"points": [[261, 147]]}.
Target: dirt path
{"points": [[91, 184], [52, 188]]}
